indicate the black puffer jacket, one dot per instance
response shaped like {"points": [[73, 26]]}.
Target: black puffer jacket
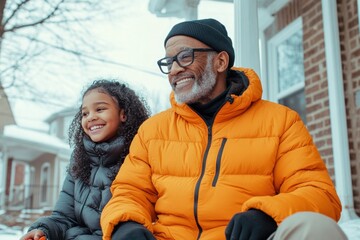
{"points": [[77, 212]]}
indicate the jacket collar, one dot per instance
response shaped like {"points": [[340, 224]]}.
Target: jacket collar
{"points": [[245, 89], [104, 153]]}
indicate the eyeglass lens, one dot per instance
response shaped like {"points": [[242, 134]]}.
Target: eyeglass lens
{"points": [[183, 59]]}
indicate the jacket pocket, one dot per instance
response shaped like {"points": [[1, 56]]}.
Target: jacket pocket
{"points": [[218, 162]]}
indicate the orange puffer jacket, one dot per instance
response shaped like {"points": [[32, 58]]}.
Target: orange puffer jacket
{"points": [[185, 180]]}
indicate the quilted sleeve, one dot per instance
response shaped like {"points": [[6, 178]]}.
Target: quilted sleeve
{"points": [[133, 194], [301, 178]]}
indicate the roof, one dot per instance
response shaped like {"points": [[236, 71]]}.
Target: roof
{"points": [[27, 144], [69, 111], [6, 115]]}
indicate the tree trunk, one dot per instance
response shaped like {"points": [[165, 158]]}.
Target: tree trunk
{"points": [[2, 7]]}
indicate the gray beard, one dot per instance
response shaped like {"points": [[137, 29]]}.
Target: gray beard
{"points": [[202, 87]]}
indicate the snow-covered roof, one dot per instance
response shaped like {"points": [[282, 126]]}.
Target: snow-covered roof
{"points": [[69, 111], [27, 144], [19, 134]]}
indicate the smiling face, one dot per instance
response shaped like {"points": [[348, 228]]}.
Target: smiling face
{"points": [[101, 116], [198, 82]]}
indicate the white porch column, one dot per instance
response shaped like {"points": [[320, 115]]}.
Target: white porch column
{"points": [[3, 172], [246, 40], [55, 181], [337, 110]]}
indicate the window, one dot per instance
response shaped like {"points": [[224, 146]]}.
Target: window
{"points": [[286, 68], [67, 122], [44, 182], [54, 128]]}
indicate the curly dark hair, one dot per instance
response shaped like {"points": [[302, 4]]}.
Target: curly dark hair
{"points": [[136, 112]]}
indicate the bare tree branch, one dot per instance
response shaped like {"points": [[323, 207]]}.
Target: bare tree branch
{"points": [[40, 21], [57, 26], [33, 32], [17, 9]]}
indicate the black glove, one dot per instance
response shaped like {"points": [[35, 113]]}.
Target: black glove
{"points": [[250, 225], [131, 231]]}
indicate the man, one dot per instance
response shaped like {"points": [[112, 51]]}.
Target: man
{"points": [[221, 163]]}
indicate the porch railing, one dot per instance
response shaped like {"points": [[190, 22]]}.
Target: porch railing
{"points": [[28, 197]]}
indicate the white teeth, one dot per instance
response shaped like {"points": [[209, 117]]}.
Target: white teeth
{"points": [[96, 127], [183, 81]]}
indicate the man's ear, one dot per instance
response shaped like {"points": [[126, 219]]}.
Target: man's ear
{"points": [[222, 62]]}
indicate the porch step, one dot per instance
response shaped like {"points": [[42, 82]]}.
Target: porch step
{"points": [[22, 218]]}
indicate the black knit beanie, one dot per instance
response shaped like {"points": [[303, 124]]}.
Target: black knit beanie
{"points": [[209, 31]]}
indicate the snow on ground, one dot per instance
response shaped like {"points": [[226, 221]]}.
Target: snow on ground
{"points": [[351, 229], [10, 233]]}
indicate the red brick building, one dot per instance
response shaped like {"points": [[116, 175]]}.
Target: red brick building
{"points": [[318, 45]]}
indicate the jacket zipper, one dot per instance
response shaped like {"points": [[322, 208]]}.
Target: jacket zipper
{"points": [[90, 184], [197, 187]]}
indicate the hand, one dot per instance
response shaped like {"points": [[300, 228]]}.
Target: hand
{"points": [[34, 234], [250, 225], [132, 231]]}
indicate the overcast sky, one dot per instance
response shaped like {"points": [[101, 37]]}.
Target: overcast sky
{"points": [[131, 41]]}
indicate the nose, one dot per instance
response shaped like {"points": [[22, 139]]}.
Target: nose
{"points": [[175, 68], [91, 116]]}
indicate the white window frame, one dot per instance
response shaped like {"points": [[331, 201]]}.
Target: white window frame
{"points": [[273, 80], [54, 128], [43, 166], [67, 121]]}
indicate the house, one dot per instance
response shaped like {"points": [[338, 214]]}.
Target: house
{"points": [[34, 165], [6, 119], [307, 54], [5, 110]]}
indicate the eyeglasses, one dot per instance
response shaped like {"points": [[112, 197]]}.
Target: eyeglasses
{"points": [[184, 58]]}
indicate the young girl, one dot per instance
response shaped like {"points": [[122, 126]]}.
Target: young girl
{"points": [[101, 133]]}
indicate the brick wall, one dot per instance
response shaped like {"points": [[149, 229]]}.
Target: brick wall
{"points": [[350, 56], [316, 89], [316, 92], [19, 174]]}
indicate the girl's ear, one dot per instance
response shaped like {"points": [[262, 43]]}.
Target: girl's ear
{"points": [[122, 115]]}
